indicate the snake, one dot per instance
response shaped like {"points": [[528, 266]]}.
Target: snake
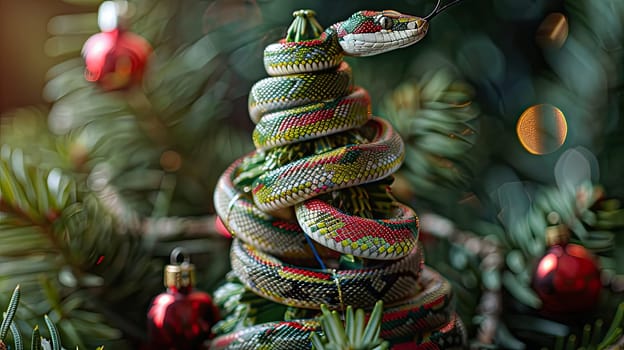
{"points": [[424, 320], [317, 187]]}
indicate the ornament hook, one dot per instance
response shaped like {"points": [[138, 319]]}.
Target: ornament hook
{"points": [[114, 14], [176, 254]]}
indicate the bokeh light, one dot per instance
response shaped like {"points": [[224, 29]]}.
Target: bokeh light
{"points": [[542, 129], [575, 167], [170, 161], [553, 31]]}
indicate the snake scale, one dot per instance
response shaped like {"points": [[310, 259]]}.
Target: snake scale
{"points": [[316, 191]]}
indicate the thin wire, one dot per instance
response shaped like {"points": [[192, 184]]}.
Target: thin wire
{"points": [[335, 276], [448, 5], [439, 9], [337, 281], [316, 254], [434, 11]]}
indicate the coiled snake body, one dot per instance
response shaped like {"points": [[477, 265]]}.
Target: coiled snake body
{"points": [[322, 169]]}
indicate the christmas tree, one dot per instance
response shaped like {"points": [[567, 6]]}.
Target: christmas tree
{"points": [[509, 113]]}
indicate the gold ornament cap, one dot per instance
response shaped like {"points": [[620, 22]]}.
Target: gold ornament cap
{"points": [[179, 275], [556, 233]]}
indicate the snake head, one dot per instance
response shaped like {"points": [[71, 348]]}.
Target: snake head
{"points": [[368, 33]]}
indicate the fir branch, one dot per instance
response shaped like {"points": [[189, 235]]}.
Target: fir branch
{"points": [[167, 227], [34, 196], [36, 339], [490, 254], [436, 117], [147, 119], [355, 333], [89, 258]]}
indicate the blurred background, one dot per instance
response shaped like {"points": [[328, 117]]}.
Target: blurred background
{"points": [[23, 60], [511, 111]]}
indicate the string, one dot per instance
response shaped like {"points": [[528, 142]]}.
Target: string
{"points": [[440, 9], [337, 281], [335, 276], [315, 252]]}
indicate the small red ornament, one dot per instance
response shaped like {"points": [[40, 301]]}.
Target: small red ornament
{"points": [[115, 59], [567, 277], [181, 318], [221, 229]]}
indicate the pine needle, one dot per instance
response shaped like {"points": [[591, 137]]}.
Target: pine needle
{"points": [[35, 339], [10, 313], [54, 336]]}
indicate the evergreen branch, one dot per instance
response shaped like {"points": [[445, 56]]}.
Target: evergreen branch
{"points": [[355, 333], [491, 254], [89, 255], [52, 294], [176, 226], [587, 339], [35, 337], [147, 120], [34, 195], [436, 117], [116, 206]]}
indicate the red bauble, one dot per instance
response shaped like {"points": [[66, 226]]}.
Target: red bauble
{"points": [[181, 318], [115, 59], [221, 229], [567, 279]]}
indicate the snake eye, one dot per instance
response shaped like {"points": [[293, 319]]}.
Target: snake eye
{"points": [[386, 22]]}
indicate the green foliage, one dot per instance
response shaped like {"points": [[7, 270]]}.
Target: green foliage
{"points": [[588, 337], [181, 110], [615, 331], [54, 336], [36, 340], [27, 129], [304, 27], [71, 197], [78, 186], [10, 313], [242, 308], [578, 208], [61, 247], [438, 121], [354, 334]]}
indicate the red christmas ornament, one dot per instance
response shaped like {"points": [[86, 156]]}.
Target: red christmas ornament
{"points": [[115, 59], [567, 277], [221, 229], [181, 318]]}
